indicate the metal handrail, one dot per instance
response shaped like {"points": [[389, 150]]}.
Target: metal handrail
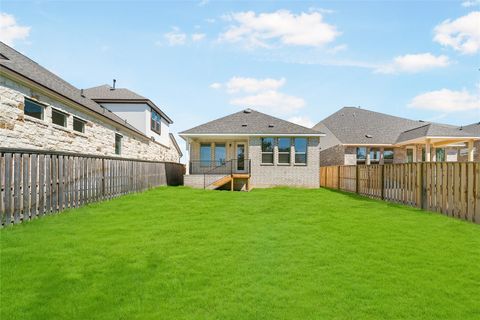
{"points": [[225, 168]]}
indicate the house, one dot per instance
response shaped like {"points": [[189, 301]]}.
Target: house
{"points": [[39, 110], [360, 136], [473, 128], [251, 149]]}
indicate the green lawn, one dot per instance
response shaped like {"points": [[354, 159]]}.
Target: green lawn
{"points": [[178, 253]]}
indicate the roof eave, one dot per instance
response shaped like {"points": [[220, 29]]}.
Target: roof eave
{"points": [[182, 134]]}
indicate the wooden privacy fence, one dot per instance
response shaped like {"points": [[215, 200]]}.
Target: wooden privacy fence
{"points": [[451, 188], [34, 183]]}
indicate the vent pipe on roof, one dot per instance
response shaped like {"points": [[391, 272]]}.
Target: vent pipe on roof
{"points": [[248, 110], [113, 87], [81, 93]]}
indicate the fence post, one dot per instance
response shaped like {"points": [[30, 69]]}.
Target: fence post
{"points": [[103, 178], [423, 186], [338, 177], [382, 181], [357, 182]]}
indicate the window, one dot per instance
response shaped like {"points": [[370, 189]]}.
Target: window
{"points": [[410, 155], [118, 143], [423, 155], [59, 118], [388, 155], [205, 154], [220, 154], [33, 109], [301, 150], [440, 153], [156, 122], [361, 155], [267, 150], [78, 125], [284, 145], [374, 155]]}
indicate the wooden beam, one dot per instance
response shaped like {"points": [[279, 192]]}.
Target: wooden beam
{"points": [[470, 151], [448, 142]]}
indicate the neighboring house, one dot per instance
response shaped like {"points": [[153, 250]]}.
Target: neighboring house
{"points": [[39, 110], [473, 128], [359, 136], [251, 149]]}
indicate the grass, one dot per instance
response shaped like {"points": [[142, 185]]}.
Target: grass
{"points": [[178, 253]]}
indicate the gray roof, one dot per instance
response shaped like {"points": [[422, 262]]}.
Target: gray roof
{"points": [[473, 128], [352, 125], [106, 93], [434, 130], [250, 122], [20, 64]]}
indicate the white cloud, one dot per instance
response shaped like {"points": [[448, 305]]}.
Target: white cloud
{"points": [[210, 20], [445, 100], [10, 31], [270, 101], [203, 3], [280, 27], [471, 3], [198, 36], [251, 85], [412, 63], [260, 94], [216, 85], [462, 34], [303, 121], [175, 37]]}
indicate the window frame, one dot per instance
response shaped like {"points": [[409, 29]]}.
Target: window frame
{"points": [[375, 152], [385, 160], [267, 152], [37, 103], [284, 152], [359, 160], [118, 143], [203, 162], [62, 113], [83, 122], [220, 161], [154, 122], [301, 152]]}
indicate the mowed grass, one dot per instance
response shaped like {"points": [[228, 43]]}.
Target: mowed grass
{"points": [[178, 253]]}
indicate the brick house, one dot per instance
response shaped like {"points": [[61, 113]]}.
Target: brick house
{"points": [[251, 149], [360, 136], [39, 110]]}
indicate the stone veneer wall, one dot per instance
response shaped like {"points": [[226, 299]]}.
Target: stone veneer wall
{"points": [[20, 131], [264, 176]]}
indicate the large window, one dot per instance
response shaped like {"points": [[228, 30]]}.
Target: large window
{"points": [[118, 143], [301, 150], [78, 125], [410, 155], [205, 154], [361, 155], [388, 155], [220, 154], [59, 118], [374, 155], [156, 123], [284, 145], [267, 150], [440, 154], [33, 109]]}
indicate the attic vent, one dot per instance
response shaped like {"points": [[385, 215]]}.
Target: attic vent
{"points": [[114, 82], [248, 110], [244, 125], [271, 125], [368, 136], [421, 121]]}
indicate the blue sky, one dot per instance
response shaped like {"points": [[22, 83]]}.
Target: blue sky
{"points": [[299, 60]]}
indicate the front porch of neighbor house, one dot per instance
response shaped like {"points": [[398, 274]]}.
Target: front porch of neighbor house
{"points": [[218, 163]]}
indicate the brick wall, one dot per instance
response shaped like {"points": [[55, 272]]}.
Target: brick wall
{"points": [[285, 175]]}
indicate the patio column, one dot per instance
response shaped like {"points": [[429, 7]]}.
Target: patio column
{"points": [[367, 160], [187, 157], [470, 150], [427, 151], [381, 155]]}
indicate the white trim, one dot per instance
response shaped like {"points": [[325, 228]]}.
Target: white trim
{"points": [[414, 153], [368, 144]]}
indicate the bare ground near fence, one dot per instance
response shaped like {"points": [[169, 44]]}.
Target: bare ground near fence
{"points": [[35, 183], [450, 188]]}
